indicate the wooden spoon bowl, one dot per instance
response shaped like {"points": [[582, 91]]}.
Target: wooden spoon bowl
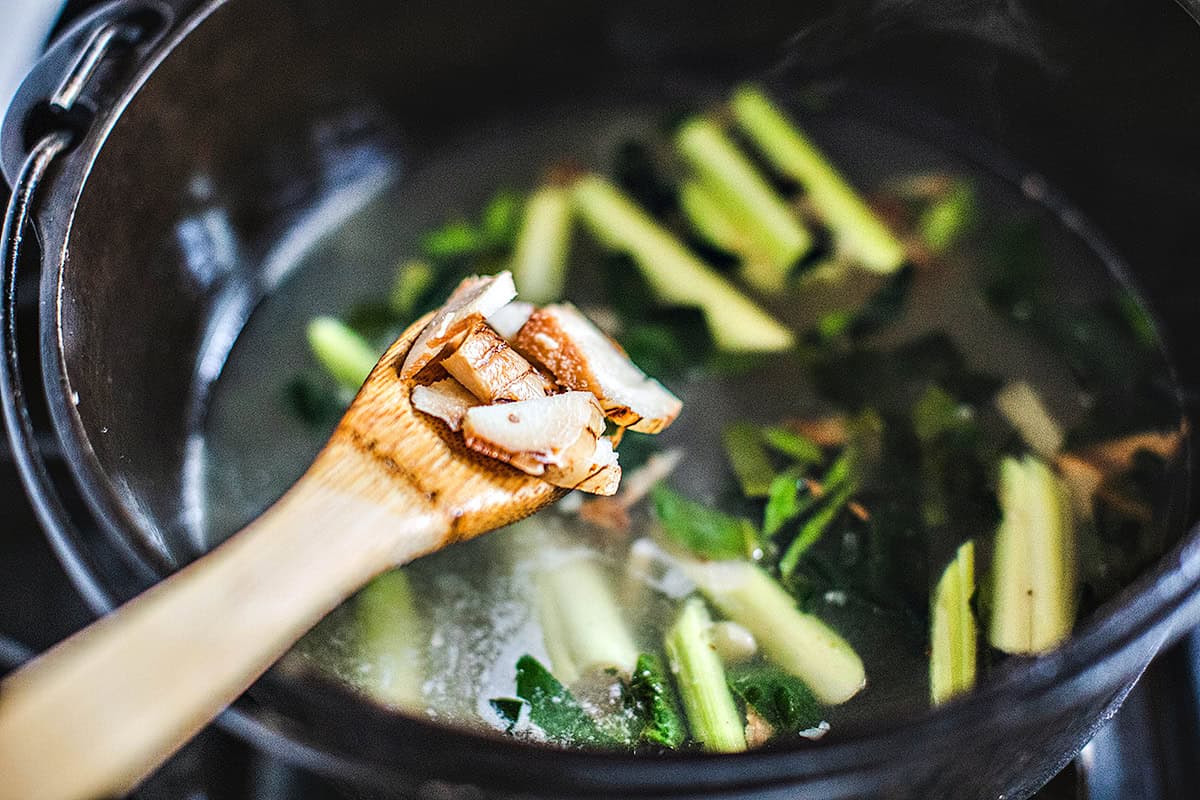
{"points": [[98, 712]]}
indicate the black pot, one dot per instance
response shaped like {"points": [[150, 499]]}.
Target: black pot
{"points": [[263, 113]]}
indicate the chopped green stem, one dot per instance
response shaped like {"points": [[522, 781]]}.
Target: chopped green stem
{"points": [[749, 458], [582, 627], [539, 263], [750, 200], [711, 712], [1022, 406], [858, 232], [712, 221], [390, 641], [676, 275], [954, 636], [798, 643], [833, 503], [343, 353], [1034, 563], [413, 280], [655, 697]]}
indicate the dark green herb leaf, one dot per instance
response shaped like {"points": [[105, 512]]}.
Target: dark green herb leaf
{"points": [[704, 531], [638, 174], [553, 708], [785, 503], [780, 699], [885, 306], [317, 405], [655, 698], [832, 504], [508, 709], [501, 220], [798, 448], [750, 462], [937, 414], [374, 321]]}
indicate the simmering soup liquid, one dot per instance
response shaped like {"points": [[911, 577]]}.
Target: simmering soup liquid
{"points": [[966, 326]]}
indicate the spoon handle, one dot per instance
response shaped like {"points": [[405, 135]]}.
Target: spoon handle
{"points": [[98, 712]]}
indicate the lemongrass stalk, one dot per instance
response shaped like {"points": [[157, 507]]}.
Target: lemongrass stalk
{"points": [[1034, 564], [1022, 406], [711, 220], [954, 636], [799, 643], [674, 273], [582, 626], [343, 353], [857, 231], [390, 637], [757, 208], [708, 704], [539, 263]]}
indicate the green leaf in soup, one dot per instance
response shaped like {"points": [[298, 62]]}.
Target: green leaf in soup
{"points": [[457, 239], [316, 404], [654, 697], [704, 531], [885, 306], [781, 699], [798, 448], [501, 220], [949, 218], [785, 501], [508, 709], [937, 413], [637, 172], [749, 459], [553, 708]]}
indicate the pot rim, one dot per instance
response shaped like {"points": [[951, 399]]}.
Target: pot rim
{"points": [[1145, 615]]}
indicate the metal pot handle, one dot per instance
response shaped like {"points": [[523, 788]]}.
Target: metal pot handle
{"points": [[52, 96], [47, 117]]}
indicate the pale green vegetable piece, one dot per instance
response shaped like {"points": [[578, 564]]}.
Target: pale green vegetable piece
{"points": [[953, 632], [539, 264], [710, 220], [708, 704], [343, 353], [582, 627], [1034, 580], [1022, 406], [857, 231], [391, 641], [750, 202], [676, 275], [799, 643]]}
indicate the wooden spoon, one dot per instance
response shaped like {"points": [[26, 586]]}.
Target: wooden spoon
{"points": [[97, 713]]}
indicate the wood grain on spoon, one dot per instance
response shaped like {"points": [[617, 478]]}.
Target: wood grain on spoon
{"points": [[100, 711]]}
